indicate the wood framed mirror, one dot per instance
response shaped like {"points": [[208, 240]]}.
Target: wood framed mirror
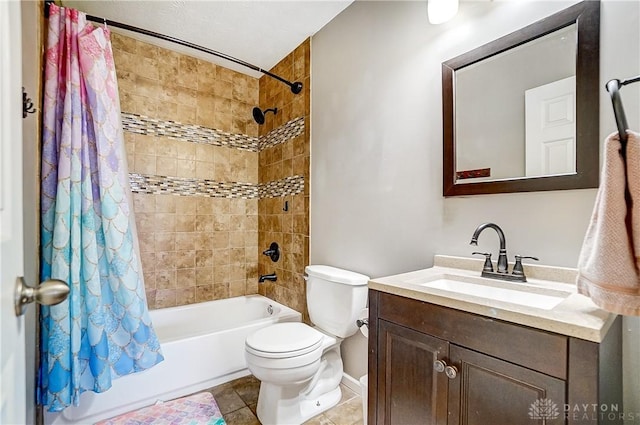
{"points": [[504, 103]]}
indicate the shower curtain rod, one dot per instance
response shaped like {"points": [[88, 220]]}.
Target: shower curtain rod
{"points": [[296, 87], [613, 87]]}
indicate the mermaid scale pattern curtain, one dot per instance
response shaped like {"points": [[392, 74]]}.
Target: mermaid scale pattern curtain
{"points": [[103, 330]]}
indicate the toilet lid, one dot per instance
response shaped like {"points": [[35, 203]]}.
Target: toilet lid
{"points": [[284, 340]]}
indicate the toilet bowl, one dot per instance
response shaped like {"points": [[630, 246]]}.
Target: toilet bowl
{"points": [[287, 353], [299, 366]]}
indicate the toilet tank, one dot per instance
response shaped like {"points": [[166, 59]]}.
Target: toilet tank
{"points": [[335, 298]]}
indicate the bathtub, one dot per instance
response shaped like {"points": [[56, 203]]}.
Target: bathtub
{"points": [[203, 346]]}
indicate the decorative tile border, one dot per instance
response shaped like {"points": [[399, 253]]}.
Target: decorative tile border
{"points": [[291, 185], [141, 124], [151, 184], [288, 131]]}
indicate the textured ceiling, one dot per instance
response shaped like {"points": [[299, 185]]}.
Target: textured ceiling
{"points": [[259, 32]]}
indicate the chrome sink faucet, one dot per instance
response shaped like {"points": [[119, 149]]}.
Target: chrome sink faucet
{"points": [[502, 256]]}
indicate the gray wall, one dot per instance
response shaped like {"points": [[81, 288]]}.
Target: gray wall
{"points": [[376, 148]]}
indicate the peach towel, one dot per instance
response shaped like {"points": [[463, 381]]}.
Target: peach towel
{"points": [[608, 266]]}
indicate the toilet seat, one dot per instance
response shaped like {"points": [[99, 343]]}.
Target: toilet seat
{"points": [[284, 340]]}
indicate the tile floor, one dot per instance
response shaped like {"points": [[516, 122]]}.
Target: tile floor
{"points": [[237, 401]]}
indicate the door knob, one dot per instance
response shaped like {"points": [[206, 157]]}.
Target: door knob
{"points": [[49, 292], [439, 366]]}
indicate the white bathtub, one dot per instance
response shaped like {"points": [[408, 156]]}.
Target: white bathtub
{"points": [[203, 346]]}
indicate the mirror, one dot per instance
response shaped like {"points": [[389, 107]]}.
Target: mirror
{"points": [[521, 113]]}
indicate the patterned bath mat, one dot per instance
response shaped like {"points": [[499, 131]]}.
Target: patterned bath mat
{"points": [[197, 409]]}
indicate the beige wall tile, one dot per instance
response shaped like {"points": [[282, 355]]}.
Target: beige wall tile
{"points": [[151, 298], [186, 150], [165, 241], [165, 298], [185, 296], [186, 278], [204, 293], [185, 168], [205, 153], [165, 260], [205, 170], [204, 276], [144, 164], [221, 240], [204, 258], [150, 284], [146, 242], [186, 114], [147, 67], [185, 223], [221, 290], [196, 249], [185, 259], [144, 203], [165, 222], [186, 205], [166, 203], [185, 241], [236, 288], [166, 166], [166, 279], [148, 260]]}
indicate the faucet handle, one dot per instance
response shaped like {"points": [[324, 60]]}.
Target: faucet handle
{"points": [[488, 265], [517, 267]]}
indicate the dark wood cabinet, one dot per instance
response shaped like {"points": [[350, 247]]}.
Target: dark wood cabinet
{"points": [[411, 388], [491, 391], [488, 371]]}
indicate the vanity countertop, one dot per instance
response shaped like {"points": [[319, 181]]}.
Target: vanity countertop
{"points": [[575, 316]]}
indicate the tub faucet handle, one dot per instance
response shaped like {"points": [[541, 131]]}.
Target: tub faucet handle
{"points": [[273, 252]]}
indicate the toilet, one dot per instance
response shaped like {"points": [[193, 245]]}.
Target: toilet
{"points": [[299, 366]]}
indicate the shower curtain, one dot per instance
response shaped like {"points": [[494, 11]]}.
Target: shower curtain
{"points": [[88, 239]]}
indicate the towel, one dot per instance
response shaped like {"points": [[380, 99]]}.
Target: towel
{"points": [[609, 263]]}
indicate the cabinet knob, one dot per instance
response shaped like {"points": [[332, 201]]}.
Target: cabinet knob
{"points": [[451, 372]]}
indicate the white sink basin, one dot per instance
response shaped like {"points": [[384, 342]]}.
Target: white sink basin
{"points": [[546, 300]]}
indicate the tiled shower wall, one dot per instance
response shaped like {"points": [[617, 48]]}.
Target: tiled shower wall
{"points": [[193, 155], [290, 228]]}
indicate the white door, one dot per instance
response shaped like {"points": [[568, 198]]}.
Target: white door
{"points": [[12, 345], [550, 135]]}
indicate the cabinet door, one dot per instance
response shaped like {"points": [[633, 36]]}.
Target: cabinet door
{"points": [[491, 391], [409, 390]]}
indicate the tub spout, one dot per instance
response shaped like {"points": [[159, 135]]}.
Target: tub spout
{"points": [[272, 277]]}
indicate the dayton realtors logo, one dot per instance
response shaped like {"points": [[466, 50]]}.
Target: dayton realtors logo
{"points": [[544, 408]]}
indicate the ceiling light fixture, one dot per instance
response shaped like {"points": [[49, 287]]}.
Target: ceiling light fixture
{"points": [[440, 11]]}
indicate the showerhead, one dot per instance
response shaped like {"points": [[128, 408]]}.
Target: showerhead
{"points": [[258, 114], [296, 87]]}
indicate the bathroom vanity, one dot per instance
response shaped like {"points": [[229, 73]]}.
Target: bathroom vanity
{"points": [[443, 352]]}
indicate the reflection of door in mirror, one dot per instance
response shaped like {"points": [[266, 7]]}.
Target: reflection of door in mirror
{"points": [[550, 131], [490, 103]]}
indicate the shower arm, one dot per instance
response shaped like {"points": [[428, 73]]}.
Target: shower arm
{"points": [[296, 87]]}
